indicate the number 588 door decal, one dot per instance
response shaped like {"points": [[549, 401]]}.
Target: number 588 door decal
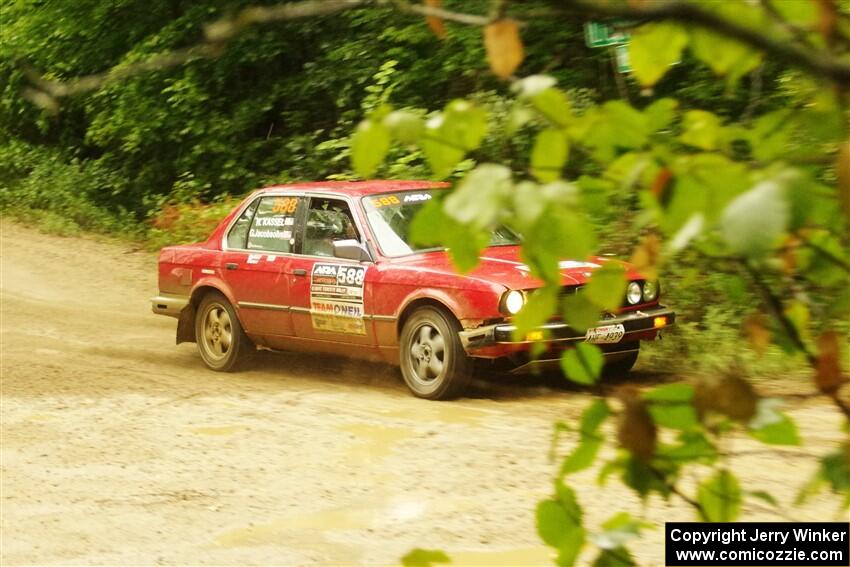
{"points": [[336, 298]]}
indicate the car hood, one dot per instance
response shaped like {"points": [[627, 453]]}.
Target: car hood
{"points": [[502, 265]]}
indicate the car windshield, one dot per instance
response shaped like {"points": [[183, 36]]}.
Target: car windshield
{"points": [[390, 216]]}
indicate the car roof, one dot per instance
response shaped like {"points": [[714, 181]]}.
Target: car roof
{"points": [[358, 188]]}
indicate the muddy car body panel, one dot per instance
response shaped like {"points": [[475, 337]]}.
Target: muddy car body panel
{"points": [[326, 267]]}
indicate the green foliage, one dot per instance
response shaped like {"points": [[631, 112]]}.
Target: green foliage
{"points": [[607, 286], [655, 47], [590, 441], [773, 427], [424, 558], [720, 497], [583, 363]]}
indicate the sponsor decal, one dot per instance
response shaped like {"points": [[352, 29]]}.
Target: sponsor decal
{"points": [[285, 205], [274, 234], [417, 197], [254, 258], [336, 298]]}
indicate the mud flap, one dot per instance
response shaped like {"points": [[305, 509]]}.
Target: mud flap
{"points": [[186, 325]]}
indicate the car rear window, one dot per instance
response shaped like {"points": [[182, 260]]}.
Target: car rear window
{"points": [[274, 225], [238, 234]]}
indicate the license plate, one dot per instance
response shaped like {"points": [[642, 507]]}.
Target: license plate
{"points": [[606, 334]]}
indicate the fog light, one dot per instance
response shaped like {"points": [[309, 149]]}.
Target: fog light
{"points": [[534, 336], [659, 322]]}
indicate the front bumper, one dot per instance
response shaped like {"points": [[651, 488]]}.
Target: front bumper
{"points": [[635, 324]]}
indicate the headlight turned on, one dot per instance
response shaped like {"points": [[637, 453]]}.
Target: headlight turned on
{"points": [[512, 302]]}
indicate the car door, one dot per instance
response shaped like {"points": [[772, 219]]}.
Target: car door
{"points": [[329, 294], [256, 261]]}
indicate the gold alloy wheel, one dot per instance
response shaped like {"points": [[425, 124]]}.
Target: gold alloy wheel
{"points": [[217, 332]]}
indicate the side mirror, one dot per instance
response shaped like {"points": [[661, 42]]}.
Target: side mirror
{"points": [[351, 250]]}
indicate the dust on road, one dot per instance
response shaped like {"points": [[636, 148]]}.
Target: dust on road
{"points": [[120, 448]]}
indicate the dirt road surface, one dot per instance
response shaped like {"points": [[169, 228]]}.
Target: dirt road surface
{"points": [[118, 447]]}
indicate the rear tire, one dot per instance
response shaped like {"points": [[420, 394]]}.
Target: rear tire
{"points": [[621, 367], [222, 343], [433, 362]]}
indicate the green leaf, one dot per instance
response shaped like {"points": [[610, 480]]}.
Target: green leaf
{"points": [[801, 14], [552, 522], [369, 146], [654, 48], [726, 57], [585, 453], [834, 471], [638, 476], [433, 227], [579, 312], [693, 447], [772, 426], [583, 363], [770, 135], [619, 557], [582, 456], [615, 125], [618, 530], [704, 184], [478, 198], [670, 393], [593, 417], [404, 126], [670, 406], [701, 130], [542, 304], [451, 134], [629, 127], [465, 124], [720, 497], [528, 205], [424, 558], [674, 416], [660, 113], [567, 498], [753, 223], [549, 154], [607, 286], [553, 104], [569, 551], [764, 497]]}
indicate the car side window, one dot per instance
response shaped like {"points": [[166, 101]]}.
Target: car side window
{"points": [[238, 234], [273, 228], [328, 220]]}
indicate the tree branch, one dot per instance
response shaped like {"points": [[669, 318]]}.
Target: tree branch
{"points": [[817, 63], [814, 62], [218, 32], [423, 10], [775, 305]]}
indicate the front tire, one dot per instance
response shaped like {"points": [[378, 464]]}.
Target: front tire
{"points": [[433, 362], [222, 343]]}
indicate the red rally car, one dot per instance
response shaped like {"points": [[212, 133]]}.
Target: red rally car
{"points": [[328, 268]]}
